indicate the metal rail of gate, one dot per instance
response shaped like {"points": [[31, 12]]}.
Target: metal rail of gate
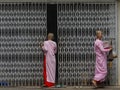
{"points": [[77, 24], [22, 27]]}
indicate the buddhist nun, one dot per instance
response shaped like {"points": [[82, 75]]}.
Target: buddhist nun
{"points": [[101, 59], [49, 48]]}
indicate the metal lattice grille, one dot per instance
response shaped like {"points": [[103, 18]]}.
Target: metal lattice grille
{"points": [[22, 26], [77, 24]]}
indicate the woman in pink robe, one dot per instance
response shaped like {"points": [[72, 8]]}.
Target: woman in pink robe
{"points": [[101, 60], [49, 48]]}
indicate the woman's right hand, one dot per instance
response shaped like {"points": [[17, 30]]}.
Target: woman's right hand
{"points": [[111, 48], [41, 45]]}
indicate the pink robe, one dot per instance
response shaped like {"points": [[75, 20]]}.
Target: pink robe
{"points": [[50, 49], [101, 61]]}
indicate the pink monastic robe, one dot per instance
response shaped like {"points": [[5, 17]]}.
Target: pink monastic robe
{"points": [[50, 49], [101, 61]]}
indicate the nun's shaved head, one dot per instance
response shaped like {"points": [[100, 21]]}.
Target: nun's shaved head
{"points": [[50, 36], [99, 34]]}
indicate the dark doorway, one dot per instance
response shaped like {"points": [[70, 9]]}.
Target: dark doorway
{"points": [[52, 27]]}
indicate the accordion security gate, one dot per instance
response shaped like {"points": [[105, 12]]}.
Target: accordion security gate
{"points": [[22, 27], [77, 24]]}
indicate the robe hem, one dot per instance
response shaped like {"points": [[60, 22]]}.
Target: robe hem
{"points": [[46, 83]]}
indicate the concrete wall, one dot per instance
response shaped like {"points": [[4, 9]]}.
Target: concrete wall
{"points": [[118, 9]]}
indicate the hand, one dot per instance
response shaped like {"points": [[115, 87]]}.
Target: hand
{"points": [[41, 45], [111, 48]]}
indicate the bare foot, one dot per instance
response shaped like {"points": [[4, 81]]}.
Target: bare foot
{"points": [[94, 83]]}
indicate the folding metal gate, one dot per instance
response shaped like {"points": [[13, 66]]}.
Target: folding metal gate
{"points": [[22, 27], [77, 24]]}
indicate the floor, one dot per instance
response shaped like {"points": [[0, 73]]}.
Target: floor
{"points": [[65, 88]]}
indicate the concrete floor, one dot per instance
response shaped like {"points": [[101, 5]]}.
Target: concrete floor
{"points": [[66, 88]]}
